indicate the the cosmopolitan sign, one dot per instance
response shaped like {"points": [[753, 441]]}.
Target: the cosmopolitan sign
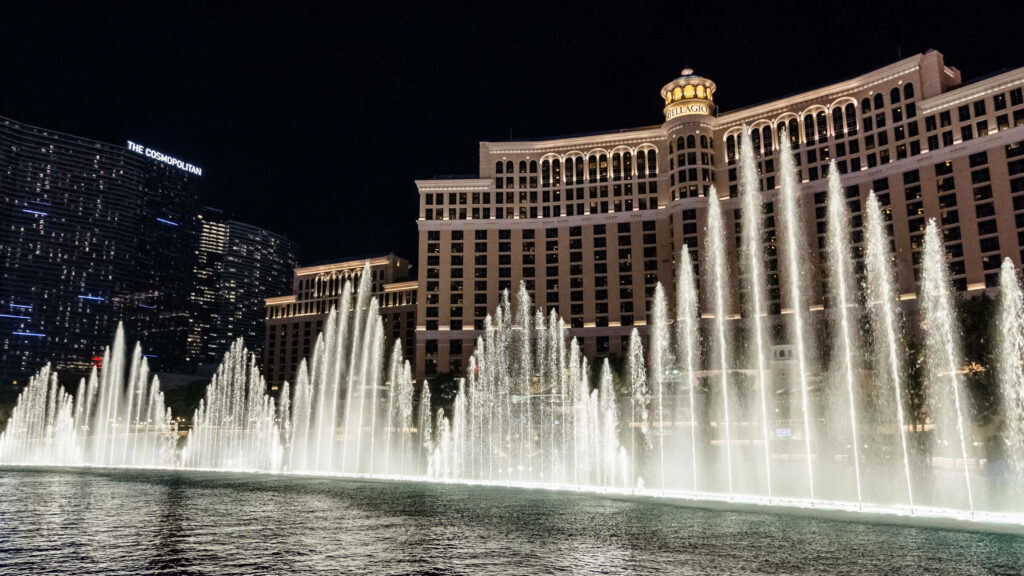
{"points": [[166, 159]]}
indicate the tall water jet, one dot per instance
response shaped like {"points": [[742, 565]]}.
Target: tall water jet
{"points": [[717, 265], [639, 400], [1011, 365], [659, 347], [522, 368], [880, 292], [394, 375], [114, 419], [942, 348], [752, 262], [687, 340], [356, 360], [425, 427], [41, 429], [235, 426], [840, 285], [609, 442], [793, 233]]}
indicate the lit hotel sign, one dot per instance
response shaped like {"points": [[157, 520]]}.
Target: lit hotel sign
{"points": [[687, 108], [161, 157]]}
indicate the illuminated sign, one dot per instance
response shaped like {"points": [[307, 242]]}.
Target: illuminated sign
{"points": [[686, 109], [783, 432], [166, 159]]}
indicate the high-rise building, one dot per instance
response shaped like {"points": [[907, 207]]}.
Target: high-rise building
{"points": [[238, 266], [90, 233], [295, 321], [590, 224]]}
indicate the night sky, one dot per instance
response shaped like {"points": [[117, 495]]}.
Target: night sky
{"points": [[314, 122]]}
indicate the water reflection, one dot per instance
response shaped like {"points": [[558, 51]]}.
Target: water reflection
{"points": [[170, 522]]}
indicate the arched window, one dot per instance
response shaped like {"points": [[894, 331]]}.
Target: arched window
{"points": [[602, 166], [680, 143], [766, 139], [652, 163], [894, 95], [641, 164], [809, 129], [865, 105], [822, 121], [616, 166], [522, 166], [879, 101], [730, 148], [533, 166], [545, 173], [499, 168], [794, 132], [568, 171], [691, 141], [908, 91], [592, 168], [627, 165], [837, 121], [556, 172], [579, 169], [703, 141], [755, 140], [851, 118]]}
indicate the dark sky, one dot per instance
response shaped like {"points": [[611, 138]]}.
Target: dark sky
{"points": [[315, 121]]}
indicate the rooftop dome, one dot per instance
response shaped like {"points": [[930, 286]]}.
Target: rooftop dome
{"points": [[687, 95]]}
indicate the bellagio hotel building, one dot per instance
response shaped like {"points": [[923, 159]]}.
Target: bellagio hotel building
{"points": [[591, 223]]}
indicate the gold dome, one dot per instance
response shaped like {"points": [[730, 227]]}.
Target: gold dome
{"points": [[687, 95]]}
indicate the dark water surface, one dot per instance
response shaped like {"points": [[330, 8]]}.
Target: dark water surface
{"points": [[171, 522]]}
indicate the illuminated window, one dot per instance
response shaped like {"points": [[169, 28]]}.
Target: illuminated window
{"points": [[688, 91], [677, 93]]}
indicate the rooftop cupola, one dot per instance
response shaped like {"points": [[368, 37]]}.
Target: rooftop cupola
{"points": [[687, 95]]}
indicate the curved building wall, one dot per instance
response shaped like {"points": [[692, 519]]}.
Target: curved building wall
{"points": [[90, 233], [592, 243]]}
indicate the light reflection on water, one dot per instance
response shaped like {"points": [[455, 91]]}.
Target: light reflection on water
{"points": [[174, 522]]}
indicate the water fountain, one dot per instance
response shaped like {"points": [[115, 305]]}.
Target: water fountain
{"points": [[696, 414], [115, 418], [755, 284], [1011, 364], [789, 194]]}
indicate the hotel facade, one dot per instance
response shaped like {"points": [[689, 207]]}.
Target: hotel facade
{"points": [[91, 234], [294, 322], [590, 224]]}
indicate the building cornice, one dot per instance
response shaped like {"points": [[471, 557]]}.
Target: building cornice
{"points": [[344, 266], [281, 300], [972, 91], [454, 185], [584, 143], [402, 286], [771, 110]]}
